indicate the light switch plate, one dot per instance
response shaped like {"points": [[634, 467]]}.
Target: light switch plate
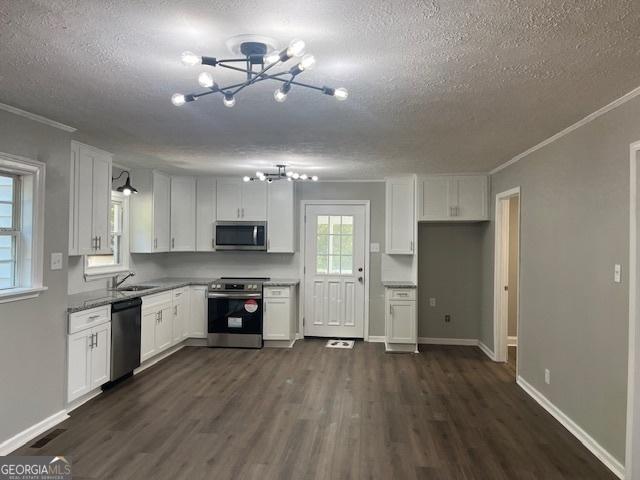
{"points": [[617, 273], [432, 302], [56, 261], [375, 247]]}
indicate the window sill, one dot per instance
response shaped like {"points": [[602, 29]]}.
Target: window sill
{"points": [[17, 294]]}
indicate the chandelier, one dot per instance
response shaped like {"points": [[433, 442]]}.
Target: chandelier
{"points": [[282, 174], [255, 64]]}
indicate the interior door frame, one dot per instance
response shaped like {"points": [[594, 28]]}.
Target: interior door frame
{"points": [[633, 387], [367, 254], [501, 277]]}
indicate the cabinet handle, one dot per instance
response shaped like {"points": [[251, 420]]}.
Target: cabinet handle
{"points": [[100, 242], [93, 317], [173, 243], [175, 310], [155, 243], [238, 213], [213, 243], [391, 310], [243, 212], [411, 246], [96, 339]]}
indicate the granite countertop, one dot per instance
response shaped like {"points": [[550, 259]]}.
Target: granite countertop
{"points": [[399, 284], [97, 298]]}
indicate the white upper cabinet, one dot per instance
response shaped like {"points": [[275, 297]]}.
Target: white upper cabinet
{"points": [[241, 201], [150, 214], [400, 218], [183, 214], [453, 198], [280, 217], [90, 200], [205, 214]]}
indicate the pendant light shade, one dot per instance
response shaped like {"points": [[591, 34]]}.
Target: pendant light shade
{"points": [[126, 189]]}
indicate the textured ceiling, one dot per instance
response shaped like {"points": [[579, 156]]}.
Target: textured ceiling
{"points": [[435, 86]]}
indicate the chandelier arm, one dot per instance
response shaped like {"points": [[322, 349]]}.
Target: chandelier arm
{"points": [[292, 82], [254, 79], [230, 60]]}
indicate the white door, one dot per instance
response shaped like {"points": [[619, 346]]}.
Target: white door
{"points": [[205, 214], [277, 320], [183, 214], [101, 355], [280, 217], [101, 196], [150, 318], [229, 199], [161, 212], [334, 270], [79, 364], [254, 202], [401, 324]]}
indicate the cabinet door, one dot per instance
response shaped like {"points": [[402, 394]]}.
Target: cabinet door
{"points": [[433, 201], [198, 317], [101, 197], [74, 186], [401, 322], [150, 317], [400, 219], [78, 364], [280, 219], [229, 199], [205, 214], [254, 201], [276, 319], [161, 212], [180, 315], [86, 237], [101, 355], [183, 214], [164, 328], [472, 197]]}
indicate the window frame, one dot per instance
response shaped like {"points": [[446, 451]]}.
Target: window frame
{"points": [[16, 225], [97, 273]]}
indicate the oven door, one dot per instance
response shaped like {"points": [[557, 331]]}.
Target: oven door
{"points": [[235, 320], [241, 236]]}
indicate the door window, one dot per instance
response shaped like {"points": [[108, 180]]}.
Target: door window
{"points": [[334, 245]]}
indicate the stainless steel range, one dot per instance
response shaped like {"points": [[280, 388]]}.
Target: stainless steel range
{"points": [[235, 312]]}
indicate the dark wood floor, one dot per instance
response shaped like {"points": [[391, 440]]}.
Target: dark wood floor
{"points": [[313, 412]]}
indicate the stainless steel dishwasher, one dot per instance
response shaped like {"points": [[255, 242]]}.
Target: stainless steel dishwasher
{"points": [[126, 321]]}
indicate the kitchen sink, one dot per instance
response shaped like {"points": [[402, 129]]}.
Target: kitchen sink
{"points": [[135, 288]]}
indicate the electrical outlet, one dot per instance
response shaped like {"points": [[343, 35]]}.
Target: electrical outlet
{"points": [[447, 318], [56, 261], [547, 376], [617, 273], [432, 302]]}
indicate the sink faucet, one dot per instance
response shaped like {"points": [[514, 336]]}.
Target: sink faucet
{"points": [[115, 283]]}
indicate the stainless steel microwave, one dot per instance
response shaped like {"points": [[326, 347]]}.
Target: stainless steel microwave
{"points": [[241, 235]]}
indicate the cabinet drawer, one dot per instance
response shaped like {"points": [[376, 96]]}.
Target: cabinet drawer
{"points": [[276, 292], [156, 299], [179, 293], [79, 321], [402, 294]]}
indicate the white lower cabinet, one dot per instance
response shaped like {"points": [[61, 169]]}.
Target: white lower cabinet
{"points": [[88, 352], [181, 307], [279, 319], [157, 324], [401, 319], [198, 318]]}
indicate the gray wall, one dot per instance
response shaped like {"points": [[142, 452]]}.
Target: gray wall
{"points": [[449, 269], [33, 332], [574, 209], [514, 239]]}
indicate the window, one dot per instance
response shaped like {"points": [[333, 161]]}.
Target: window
{"points": [[9, 229], [334, 247], [118, 261]]}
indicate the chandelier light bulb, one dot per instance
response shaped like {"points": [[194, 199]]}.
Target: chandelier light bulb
{"points": [[303, 176], [279, 95], [190, 59], [289, 179], [205, 79], [296, 48], [262, 178], [271, 58], [341, 93], [307, 62], [229, 100], [289, 174], [259, 174], [314, 178], [246, 179], [296, 175], [178, 99]]}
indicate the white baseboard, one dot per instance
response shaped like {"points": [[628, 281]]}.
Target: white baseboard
{"points": [[587, 440], [471, 342], [376, 338], [32, 432], [71, 406], [487, 351], [161, 356], [512, 341]]}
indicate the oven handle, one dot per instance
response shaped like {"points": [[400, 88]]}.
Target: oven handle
{"points": [[234, 295]]}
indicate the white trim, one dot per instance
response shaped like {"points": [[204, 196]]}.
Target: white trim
{"points": [[376, 339], [486, 350], [36, 117], [633, 396], [500, 274], [471, 342], [78, 402], [16, 294], [367, 259], [587, 440], [512, 341], [355, 180], [589, 118], [21, 438], [161, 356]]}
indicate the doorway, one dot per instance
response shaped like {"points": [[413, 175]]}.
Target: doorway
{"points": [[336, 253], [507, 278]]}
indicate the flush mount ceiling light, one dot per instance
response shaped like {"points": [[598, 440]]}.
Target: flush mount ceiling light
{"points": [[257, 60], [281, 175]]}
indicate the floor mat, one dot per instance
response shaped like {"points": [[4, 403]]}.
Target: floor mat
{"points": [[334, 343]]}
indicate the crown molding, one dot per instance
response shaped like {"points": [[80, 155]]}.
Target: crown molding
{"points": [[36, 118], [589, 118]]}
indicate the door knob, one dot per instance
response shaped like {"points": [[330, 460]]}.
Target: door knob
{"points": [[360, 279], [360, 269]]}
